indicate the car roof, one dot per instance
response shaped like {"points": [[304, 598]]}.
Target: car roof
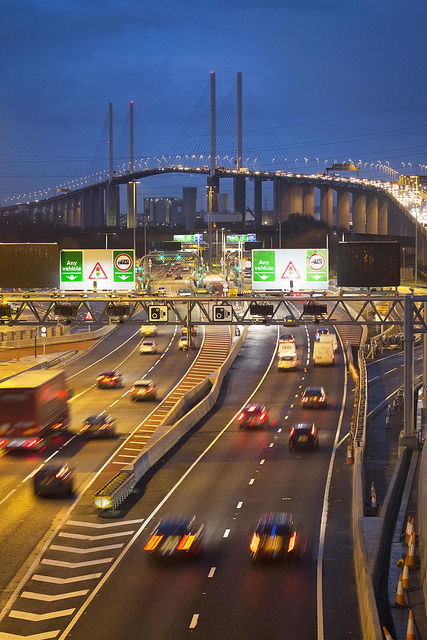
{"points": [[148, 342], [144, 382], [275, 518], [256, 405], [322, 330], [111, 372], [303, 425], [314, 390], [175, 524]]}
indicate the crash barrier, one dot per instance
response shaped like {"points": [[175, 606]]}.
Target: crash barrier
{"points": [[64, 338], [187, 401], [166, 436], [362, 407], [116, 490], [422, 509]]}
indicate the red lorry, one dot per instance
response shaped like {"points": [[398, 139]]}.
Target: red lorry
{"points": [[33, 408]]}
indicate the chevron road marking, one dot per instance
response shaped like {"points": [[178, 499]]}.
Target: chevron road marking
{"points": [[37, 617], [46, 598], [72, 565], [103, 536], [58, 547], [50, 579], [95, 525], [36, 636]]}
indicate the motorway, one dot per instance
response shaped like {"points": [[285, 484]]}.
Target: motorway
{"points": [[226, 476]]}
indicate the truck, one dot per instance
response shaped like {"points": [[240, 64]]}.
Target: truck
{"points": [[323, 353], [332, 338], [33, 408], [288, 358]]}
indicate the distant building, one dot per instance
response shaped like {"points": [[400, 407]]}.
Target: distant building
{"points": [[164, 210]]}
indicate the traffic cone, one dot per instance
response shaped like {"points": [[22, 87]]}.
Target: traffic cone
{"points": [[400, 594], [410, 556], [405, 576], [387, 422], [410, 631], [386, 634], [350, 458], [408, 530], [373, 497]]}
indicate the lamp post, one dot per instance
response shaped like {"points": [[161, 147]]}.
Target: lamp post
{"points": [[134, 182], [106, 238], [416, 231]]}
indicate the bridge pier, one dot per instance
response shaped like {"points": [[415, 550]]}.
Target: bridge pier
{"points": [[212, 181], [383, 217], [281, 200], [97, 206], [372, 214], [343, 206], [308, 200], [239, 185], [359, 212], [326, 205], [189, 197], [85, 219], [131, 204], [113, 205], [295, 199], [258, 203]]}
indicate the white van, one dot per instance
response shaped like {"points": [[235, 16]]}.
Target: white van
{"points": [[332, 338], [288, 358], [323, 353]]}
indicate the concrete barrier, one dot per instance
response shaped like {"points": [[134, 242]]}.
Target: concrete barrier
{"points": [[421, 525], [57, 339]]}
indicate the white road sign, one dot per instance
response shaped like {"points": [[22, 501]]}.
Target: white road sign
{"points": [[108, 268], [289, 269]]}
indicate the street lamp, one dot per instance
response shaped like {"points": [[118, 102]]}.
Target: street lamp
{"points": [[134, 182], [106, 238]]}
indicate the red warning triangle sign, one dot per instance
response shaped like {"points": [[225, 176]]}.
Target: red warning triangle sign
{"points": [[88, 316], [98, 273], [291, 272]]}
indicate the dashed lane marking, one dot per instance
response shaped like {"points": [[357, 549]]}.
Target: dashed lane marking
{"points": [[239, 505], [226, 533], [252, 480], [262, 461], [212, 572], [194, 621]]}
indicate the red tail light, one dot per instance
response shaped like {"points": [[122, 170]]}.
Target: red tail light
{"points": [[292, 541], [254, 543], [103, 427], [152, 543], [32, 443], [240, 417], [185, 542], [85, 426], [3, 442], [292, 432], [262, 416], [62, 472], [313, 430], [321, 398], [305, 399]]}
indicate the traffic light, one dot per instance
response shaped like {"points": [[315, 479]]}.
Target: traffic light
{"points": [[162, 257], [237, 268], [179, 256]]}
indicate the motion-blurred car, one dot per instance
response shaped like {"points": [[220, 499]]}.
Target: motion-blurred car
{"points": [[53, 480], [109, 380], [193, 330], [275, 538], [148, 330], [148, 346], [314, 398], [184, 344], [321, 331], [100, 426], [161, 291], [286, 337], [143, 390], [185, 292], [254, 416], [305, 435], [169, 274], [177, 537], [177, 275]]}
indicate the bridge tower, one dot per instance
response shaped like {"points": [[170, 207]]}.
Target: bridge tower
{"points": [[239, 181], [131, 186], [112, 191]]}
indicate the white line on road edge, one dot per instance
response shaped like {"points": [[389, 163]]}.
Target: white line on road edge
{"points": [[324, 518], [194, 621]]}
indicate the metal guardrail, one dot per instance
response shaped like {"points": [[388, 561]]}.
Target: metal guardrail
{"points": [[112, 494], [362, 409]]}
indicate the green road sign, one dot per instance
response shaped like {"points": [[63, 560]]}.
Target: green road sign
{"points": [[71, 266], [317, 265], [263, 265], [123, 266]]}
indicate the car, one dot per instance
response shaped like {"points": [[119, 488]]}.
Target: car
{"points": [[288, 319], [304, 434], [254, 415], [168, 274], [99, 426], [183, 344], [286, 337], [314, 398], [176, 536], [143, 390], [148, 346], [109, 380], [161, 291], [54, 480], [148, 330], [177, 275], [193, 330], [275, 538], [321, 331], [184, 292]]}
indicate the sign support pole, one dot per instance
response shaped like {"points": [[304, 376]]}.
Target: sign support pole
{"points": [[408, 421]]}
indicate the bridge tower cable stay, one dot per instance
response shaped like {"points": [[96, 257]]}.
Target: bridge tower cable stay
{"points": [[239, 181], [112, 191], [212, 181], [131, 186]]}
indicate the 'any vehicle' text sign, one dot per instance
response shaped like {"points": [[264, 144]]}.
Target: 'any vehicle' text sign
{"points": [[287, 269], [100, 269]]}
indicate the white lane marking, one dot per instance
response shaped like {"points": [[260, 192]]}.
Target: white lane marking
{"points": [[8, 496], [212, 572], [380, 404], [252, 480], [105, 547], [33, 473], [239, 505], [279, 430], [52, 456], [343, 439], [226, 533], [103, 536], [286, 417], [50, 579], [152, 515], [390, 371], [194, 621], [271, 445], [95, 525], [72, 565], [324, 518], [49, 635], [44, 597], [35, 617], [262, 461]]}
